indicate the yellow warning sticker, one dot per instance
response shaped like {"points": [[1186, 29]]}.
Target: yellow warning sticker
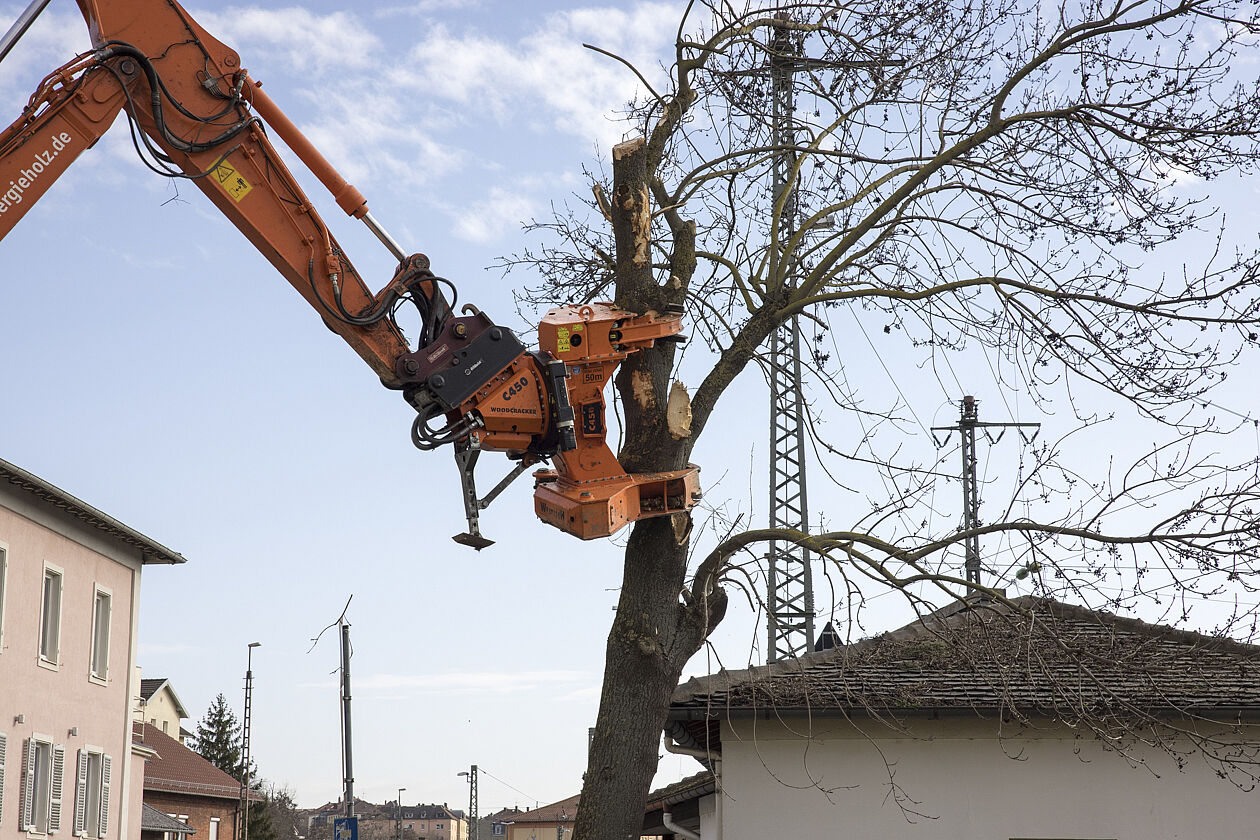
{"points": [[562, 340], [231, 181]]}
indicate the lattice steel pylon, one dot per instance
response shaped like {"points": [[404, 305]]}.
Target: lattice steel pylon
{"points": [[790, 589], [968, 422]]}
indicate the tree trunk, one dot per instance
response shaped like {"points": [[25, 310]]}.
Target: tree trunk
{"points": [[646, 652], [657, 629]]}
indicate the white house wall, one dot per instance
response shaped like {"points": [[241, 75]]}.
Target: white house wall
{"points": [[834, 781], [160, 710]]}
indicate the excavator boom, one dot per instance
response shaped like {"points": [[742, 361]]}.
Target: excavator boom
{"points": [[473, 384]]}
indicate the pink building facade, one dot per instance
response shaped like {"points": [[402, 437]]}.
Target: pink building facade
{"points": [[69, 607]]}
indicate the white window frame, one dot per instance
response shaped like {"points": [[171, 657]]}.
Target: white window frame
{"points": [[4, 577], [93, 675], [53, 662], [55, 768], [174, 835], [214, 829], [91, 791]]}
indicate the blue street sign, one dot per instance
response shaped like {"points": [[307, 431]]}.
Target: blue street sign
{"points": [[346, 828]]}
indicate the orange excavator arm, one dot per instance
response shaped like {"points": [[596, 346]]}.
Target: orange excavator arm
{"points": [[199, 111], [472, 382]]}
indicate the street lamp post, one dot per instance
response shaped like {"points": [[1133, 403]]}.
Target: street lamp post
{"points": [[242, 820], [398, 814], [472, 800]]}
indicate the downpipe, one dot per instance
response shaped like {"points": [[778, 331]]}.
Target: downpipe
{"points": [[668, 821]]}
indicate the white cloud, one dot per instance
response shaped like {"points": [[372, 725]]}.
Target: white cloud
{"points": [[424, 7], [304, 41], [384, 116], [363, 126], [53, 39], [489, 219], [360, 128], [547, 77], [1174, 175]]}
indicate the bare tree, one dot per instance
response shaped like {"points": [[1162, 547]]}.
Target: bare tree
{"points": [[1002, 178]]}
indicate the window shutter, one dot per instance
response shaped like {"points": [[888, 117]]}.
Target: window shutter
{"points": [[80, 796], [54, 798], [28, 785], [105, 762], [4, 741]]}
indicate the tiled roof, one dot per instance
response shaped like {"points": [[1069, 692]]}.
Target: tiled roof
{"points": [[692, 787], [149, 686], [151, 819], [362, 808], [177, 769], [680, 800], [551, 813], [503, 815], [1045, 659], [151, 550], [417, 812]]}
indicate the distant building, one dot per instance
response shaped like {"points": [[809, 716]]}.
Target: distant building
{"points": [[160, 707], [550, 822], [380, 822], [432, 822], [495, 825], [319, 821], [69, 606]]}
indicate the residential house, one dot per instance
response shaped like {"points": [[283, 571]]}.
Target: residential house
{"points": [[380, 822], [160, 706], [69, 605], [550, 822], [376, 822], [1045, 721], [495, 825], [434, 822], [181, 784], [319, 821]]}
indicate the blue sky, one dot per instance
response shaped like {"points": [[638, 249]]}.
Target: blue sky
{"points": [[158, 368]]}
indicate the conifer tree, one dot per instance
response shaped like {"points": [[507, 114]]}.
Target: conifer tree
{"points": [[218, 738]]}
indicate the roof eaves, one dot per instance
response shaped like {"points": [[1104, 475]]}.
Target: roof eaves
{"points": [[151, 550], [180, 709], [198, 788]]}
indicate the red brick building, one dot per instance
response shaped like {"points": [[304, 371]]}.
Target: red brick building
{"points": [[183, 785]]}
